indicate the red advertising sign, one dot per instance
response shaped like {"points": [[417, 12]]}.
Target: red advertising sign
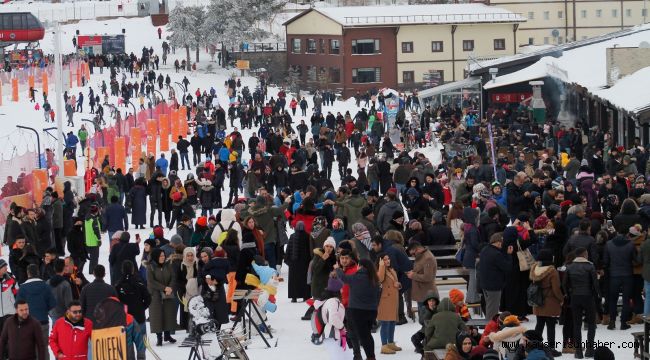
{"points": [[509, 97], [88, 40]]}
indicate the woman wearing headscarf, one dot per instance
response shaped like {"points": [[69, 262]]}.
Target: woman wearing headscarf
{"points": [[162, 311], [319, 233], [297, 257], [186, 282], [464, 348]]}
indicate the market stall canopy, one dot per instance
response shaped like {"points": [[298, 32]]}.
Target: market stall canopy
{"points": [[545, 67], [456, 85]]}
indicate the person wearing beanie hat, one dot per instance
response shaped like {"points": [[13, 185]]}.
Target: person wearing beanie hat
{"points": [[544, 274], [507, 339], [122, 251], [330, 242], [386, 211], [170, 248], [333, 315], [334, 285], [458, 300], [202, 221]]}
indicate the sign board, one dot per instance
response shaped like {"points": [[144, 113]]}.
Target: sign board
{"points": [[101, 44], [243, 64], [503, 98], [433, 77], [109, 343]]}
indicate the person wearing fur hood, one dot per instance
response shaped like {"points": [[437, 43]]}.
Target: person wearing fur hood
{"points": [[547, 277], [506, 340], [207, 196]]}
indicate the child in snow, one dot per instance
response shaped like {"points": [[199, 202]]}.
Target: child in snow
{"points": [[458, 299]]}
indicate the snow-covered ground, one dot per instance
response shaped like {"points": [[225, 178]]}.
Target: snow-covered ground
{"points": [[292, 335]]}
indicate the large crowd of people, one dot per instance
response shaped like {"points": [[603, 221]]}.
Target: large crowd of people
{"points": [[554, 226]]}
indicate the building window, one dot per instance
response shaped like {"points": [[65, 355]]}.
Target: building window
{"points": [[531, 15], [560, 14], [583, 13], [614, 13], [407, 47], [531, 41], [644, 12], [321, 42], [435, 77], [628, 12], [335, 75], [311, 46], [408, 77], [295, 46], [366, 75], [545, 40], [547, 15], [436, 46], [599, 13], [335, 47], [499, 44], [468, 45], [559, 40], [365, 46]]}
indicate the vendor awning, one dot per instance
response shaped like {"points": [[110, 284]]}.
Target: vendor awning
{"points": [[545, 67], [456, 85]]}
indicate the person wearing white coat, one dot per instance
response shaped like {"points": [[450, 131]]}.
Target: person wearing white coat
{"points": [[333, 314], [228, 221]]}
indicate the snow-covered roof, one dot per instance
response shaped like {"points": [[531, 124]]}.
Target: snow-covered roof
{"points": [[545, 67], [629, 93], [355, 16]]}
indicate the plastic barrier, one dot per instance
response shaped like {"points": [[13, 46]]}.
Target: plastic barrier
{"points": [[30, 83], [40, 183], [69, 168], [164, 132], [174, 125], [136, 148], [14, 89], [152, 134], [120, 153], [45, 83]]}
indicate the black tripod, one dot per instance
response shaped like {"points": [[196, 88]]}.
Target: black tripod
{"points": [[245, 311]]}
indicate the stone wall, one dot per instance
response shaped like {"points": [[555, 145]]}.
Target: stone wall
{"points": [[623, 61]]}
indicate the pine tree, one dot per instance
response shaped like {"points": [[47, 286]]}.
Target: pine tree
{"points": [[293, 80], [185, 23]]}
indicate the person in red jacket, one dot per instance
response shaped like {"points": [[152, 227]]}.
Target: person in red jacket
{"points": [[349, 260], [70, 335]]}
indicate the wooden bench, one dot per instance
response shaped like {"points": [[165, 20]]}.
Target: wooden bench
{"points": [[638, 344], [476, 306], [447, 261], [451, 282], [437, 354], [478, 323]]}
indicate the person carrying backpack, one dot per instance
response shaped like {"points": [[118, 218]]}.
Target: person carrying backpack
{"points": [[228, 221], [327, 321], [544, 275]]}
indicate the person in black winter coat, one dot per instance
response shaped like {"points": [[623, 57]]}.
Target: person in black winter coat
{"points": [[439, 233], [121, 252], [432, 191], [115, 217], [69, 205], [328, 160], [298, 258], [173, 161], [138, 196], [93, 293], [619, 260], [76, 243], [493, 271], [581, 284], [582, 239], [133, 293]]}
